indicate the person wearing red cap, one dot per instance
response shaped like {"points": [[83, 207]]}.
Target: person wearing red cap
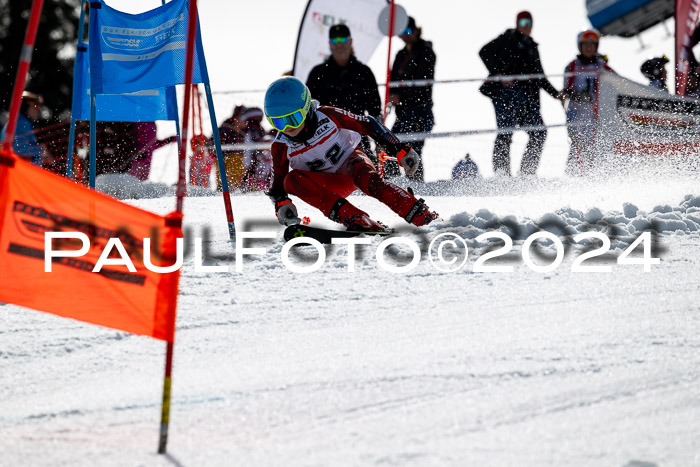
{"points": [[524, 19], [516, 101]]}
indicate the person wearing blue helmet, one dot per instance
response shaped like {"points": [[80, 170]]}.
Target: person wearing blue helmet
{"points": [[316, 157]]}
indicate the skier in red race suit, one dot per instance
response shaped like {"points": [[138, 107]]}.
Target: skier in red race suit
{"points": [[320, 146]]}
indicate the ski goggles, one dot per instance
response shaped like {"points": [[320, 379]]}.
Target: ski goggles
{"points": [[406, 32], [292, 120], [339, 40], [590, 36], [524, 22]]}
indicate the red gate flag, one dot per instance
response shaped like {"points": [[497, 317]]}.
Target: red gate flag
{"points": [[34, 201]]}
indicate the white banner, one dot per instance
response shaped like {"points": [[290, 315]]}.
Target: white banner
{"points": [[361, 16], [634, 119]]}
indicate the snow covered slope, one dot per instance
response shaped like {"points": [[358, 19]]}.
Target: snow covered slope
{"points": [[371, 367]]}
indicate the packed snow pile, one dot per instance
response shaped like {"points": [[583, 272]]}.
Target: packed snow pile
{"points": [[622, 227]]}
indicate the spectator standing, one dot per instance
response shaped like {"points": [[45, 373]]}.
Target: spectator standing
{"points": [[516, 102], [25, 144], [465, 169], [580, 87], [342, 81], [654, 70], [414, 104]]}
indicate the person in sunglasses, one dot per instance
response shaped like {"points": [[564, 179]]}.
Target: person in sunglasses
{"points": [[581, 88], [516, 101], [413, 104], [342, 81], [316, 157]]}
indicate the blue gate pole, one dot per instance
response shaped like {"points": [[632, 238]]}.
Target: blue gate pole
{"points": [[220, 162], [93, 138]]}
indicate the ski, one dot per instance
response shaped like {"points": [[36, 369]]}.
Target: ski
{"points": [[325, 235]]}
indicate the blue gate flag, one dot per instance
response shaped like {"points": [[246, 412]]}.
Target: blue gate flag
{"points": [[130, 53], [141, 106]]}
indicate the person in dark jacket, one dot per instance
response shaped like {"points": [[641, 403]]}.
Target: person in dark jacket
{"points": [[465, 169], [343, 82], [414, 105], [654, 70], [517, 102]]}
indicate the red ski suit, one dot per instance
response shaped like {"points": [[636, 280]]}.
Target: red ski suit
{"points": [[327, 165]]}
